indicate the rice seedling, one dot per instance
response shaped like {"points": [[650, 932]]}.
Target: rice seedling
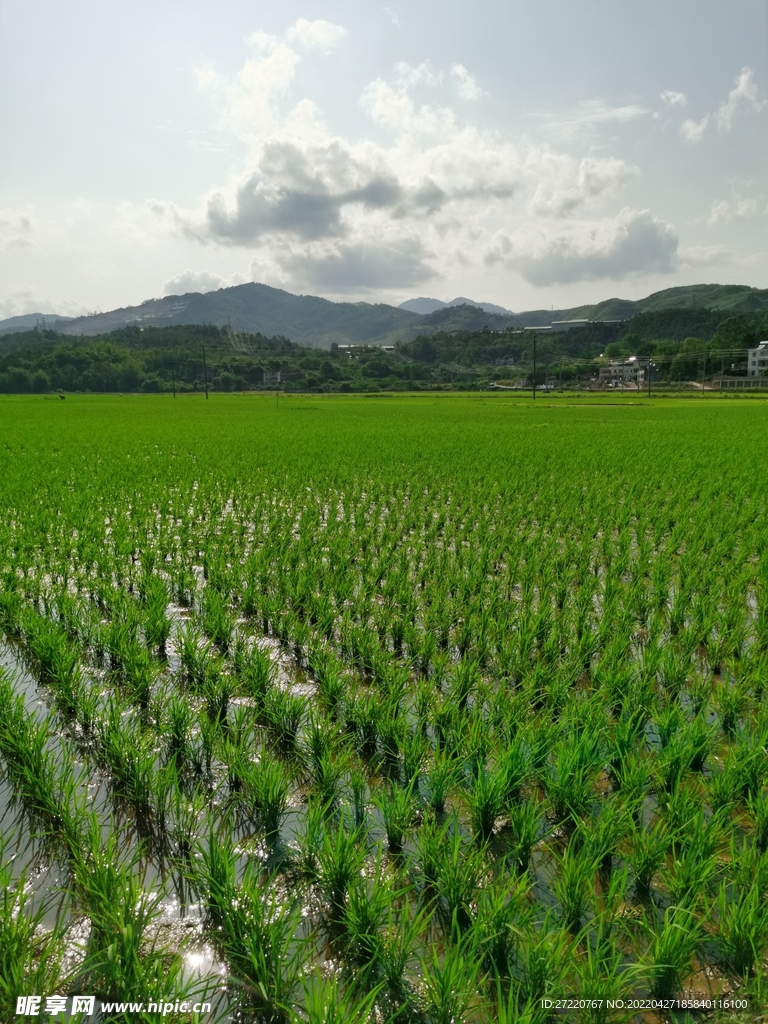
{"points": [[326, 1002], [742, 928], [648, 848], [259, 938], [340, 860], [459, 869], [572, 884], [441, 776], [525, 830], [672, 943], [758, 808], [31, 955], [452, 981], [265, 793], [398, 808], [486, 799], [283, 712], [544, 956]]}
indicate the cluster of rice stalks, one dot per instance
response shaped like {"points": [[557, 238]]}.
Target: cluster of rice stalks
{"points": [[413, 741]]}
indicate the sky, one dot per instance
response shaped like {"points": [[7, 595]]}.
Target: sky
{"points": [[532, 155]]}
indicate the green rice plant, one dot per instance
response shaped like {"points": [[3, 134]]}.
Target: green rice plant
{"points": [[525, 830], [284, 712], [259, 938], [218, 689], [544, 959], [177, 728], [157, 624], [632, 777], [452, 981], [603, 977], [486, 799], [401, 935], [139, 674], [626, 738], [265, 793], [311, 838], [460, 868], [730, 702], [500, 910], [326, 1003], [124, 959], [254, 669], [724, 788], [441, 776], [331, 685], [370, 897], [688, 877], [572, 884], [745, 865], [31, 954], [742, 929], [397, 805], [602, 834], [392, 730], [570, 780], [214, 876], [431, 841], [414, 751], [129, 756], [758, 808], [648, 848], [749, 761], [672, 944], [463, 681], [195, 653], [44, 781], [514, 763], [359, 790], [185, 813], [217, 619], [340, 859], [678, 809]]}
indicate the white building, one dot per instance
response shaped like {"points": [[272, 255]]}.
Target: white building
{"points": [[757, 360], [632, 369]]}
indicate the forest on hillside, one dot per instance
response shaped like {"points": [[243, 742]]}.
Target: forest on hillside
{"points": [[190, 358]]}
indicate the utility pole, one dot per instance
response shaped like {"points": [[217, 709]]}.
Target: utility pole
{"points": [[650, 364], [173, 372], [534, 366], [722, 367], [205, 375]]}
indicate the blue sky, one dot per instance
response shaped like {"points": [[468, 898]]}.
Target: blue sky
{"points": [[525, 154]]}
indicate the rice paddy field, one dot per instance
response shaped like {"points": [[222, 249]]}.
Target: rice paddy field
{"points": [[430, 709]]}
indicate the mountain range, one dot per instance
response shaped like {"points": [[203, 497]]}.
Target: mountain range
{"points": [[310, 320]]}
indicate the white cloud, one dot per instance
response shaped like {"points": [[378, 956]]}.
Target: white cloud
{"points": [[27, 300], [670, 98], [737, 208], [393, 17], [569, 185], [16, 228], [693, 131], [362, 266], [315, 35], [427, 197], [587, 117], [633, 242], [193, 281], [468, 87], [744, 93]]}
